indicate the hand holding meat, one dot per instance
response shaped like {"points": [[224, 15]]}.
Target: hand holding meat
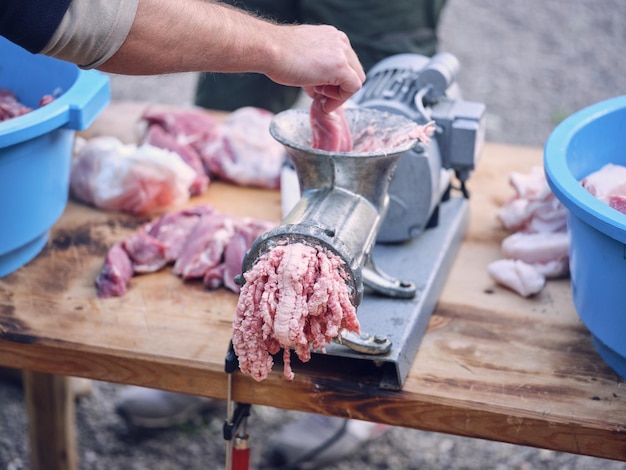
{"points": [[146, 37], [319, 59]]}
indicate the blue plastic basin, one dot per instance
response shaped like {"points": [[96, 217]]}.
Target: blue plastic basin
{"points": [[580, 145], [36, 148]]}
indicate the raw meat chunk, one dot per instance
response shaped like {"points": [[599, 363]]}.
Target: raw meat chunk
{"points": [[10, 107], [246, 232], [533, 208], [536, 247], [382, 139], [539, 247], [113, 176], [239, 150], [517, 276], [185, 132], [158, 137], [116, 274], [146, 252], [204, 247], [329, 131], [609, 185], [192, 127], [294, 296], [174, 228], [197, 240], [245, 153]]}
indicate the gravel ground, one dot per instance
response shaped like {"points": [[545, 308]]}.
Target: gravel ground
{"points": [[532, 63]]}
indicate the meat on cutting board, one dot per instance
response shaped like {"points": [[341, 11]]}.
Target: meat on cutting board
{"points": [[113, 279], [186, 132], [538, 248], [134, 179], [294, 296], [159, 137], [205, 246], [181, 236], [160, 242], [239, 149], [517, 276], [245, 234], [245, 154]]}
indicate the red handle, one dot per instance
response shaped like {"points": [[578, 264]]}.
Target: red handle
{"points": [[241, 459]]}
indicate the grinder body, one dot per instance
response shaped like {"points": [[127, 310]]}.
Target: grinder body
{"points": [[344, 195]]}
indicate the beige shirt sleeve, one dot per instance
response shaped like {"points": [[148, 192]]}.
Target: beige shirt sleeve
{"points": [[92, 31]]}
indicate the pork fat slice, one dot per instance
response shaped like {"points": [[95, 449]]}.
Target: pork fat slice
{"points": [[294, 296], [609, 185], [533, 208], [134, 179], [539, 247], [517, 276]]}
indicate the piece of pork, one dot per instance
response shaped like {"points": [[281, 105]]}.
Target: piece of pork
{"points": [[204, 246], [383, 139], [190, 127], [145, 251], [114, 176], [160, 242], [294, 296], [159, 137], [247, 231], [608, 184], [536, 247], [533, 208], [517, 276], [205, 253], [329, 131], [10, 106], [113, 279], [245, 154]]}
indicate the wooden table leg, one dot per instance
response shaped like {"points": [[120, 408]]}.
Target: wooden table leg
{"points": [[51, 421]]}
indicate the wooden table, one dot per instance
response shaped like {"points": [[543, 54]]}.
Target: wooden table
{"points": [[492, 365]]}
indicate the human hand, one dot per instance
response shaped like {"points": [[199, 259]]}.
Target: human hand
{"points": [[318, 58]]}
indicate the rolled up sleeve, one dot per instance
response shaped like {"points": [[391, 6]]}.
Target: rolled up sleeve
{"points": [[91, 31]]}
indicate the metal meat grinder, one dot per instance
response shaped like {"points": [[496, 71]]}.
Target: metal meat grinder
{"points": [[396, 207]]}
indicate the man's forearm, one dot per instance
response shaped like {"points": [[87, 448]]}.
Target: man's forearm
{"points": [[193, 35], [196, 35]]}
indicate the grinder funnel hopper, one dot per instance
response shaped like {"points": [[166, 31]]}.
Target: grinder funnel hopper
{"points": [[343, 194]]}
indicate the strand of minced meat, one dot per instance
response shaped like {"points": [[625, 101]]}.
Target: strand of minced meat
{"points": [[294, 296]]}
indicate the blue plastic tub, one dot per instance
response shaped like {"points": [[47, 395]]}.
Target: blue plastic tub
{"points": [[580, 145], [36, 148]]}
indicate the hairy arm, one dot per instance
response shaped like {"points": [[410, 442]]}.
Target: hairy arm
{"points": [[195, 35]]}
